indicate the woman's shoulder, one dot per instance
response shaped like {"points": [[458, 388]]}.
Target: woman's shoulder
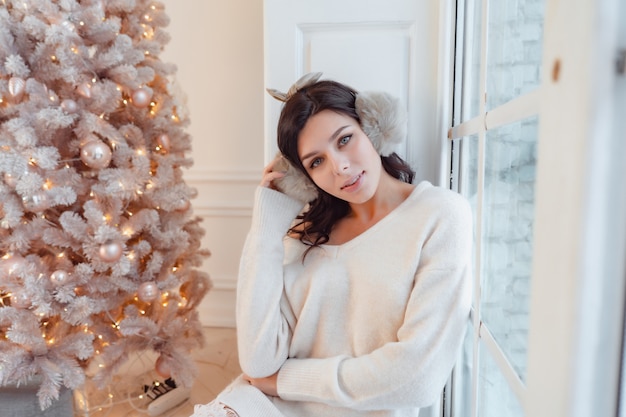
{"points": [[426, 191], [443, 202]]}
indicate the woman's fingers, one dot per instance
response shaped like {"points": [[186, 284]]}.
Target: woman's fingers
{"points": [[270, 173], [267, 179]]}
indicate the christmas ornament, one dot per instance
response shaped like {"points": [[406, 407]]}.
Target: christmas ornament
{"points": [[183, 204], [148, 291], [69, 106], [17, 86], [10, 180], [164, 142], [110, 251], [84, 89], [59, 277], [163, 366], [13, 265], [95, 154], [141, 97], [36, 202], [20, 300]]}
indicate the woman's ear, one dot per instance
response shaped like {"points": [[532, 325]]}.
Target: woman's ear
{"points": [[295, 183], [383, 119]]}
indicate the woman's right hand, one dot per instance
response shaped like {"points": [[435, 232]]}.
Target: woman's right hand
{"points": [[273, 172], [267, 385]]}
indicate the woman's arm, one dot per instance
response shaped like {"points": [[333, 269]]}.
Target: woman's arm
{"points": [[263, 332]]}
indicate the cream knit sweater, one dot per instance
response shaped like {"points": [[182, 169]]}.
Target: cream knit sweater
{"points": [[371, 327]]}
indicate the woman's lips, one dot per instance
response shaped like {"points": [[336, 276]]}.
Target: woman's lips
{"points": [[352, 183]]}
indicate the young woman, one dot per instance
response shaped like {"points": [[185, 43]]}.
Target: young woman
{"points": [[353, 296]]}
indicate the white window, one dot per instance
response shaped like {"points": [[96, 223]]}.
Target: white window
{"points": [[549, 222], [497, 75]]}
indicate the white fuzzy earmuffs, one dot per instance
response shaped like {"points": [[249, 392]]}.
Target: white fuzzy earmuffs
{"points": [[382, 118], [295, 183]]}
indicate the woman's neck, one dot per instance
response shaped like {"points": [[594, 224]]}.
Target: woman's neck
{"points": [[389, 195]]}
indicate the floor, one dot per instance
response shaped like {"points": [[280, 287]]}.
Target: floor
{"points": [[217, 364]]}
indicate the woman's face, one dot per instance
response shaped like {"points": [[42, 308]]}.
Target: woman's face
{"points": [[339, 157]]}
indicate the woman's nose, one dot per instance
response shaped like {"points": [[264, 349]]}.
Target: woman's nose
{"points": [[340, 164]]}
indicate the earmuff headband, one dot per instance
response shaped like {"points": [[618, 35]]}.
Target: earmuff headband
{"points": [[382, 118]]}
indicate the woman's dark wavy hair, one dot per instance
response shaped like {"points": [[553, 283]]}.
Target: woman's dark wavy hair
{"points": [[316, 223]]}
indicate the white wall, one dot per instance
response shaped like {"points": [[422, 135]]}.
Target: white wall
{"points": [[217, 46]]}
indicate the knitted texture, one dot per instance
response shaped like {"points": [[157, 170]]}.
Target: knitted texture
{"points": [[213, 409], [371, 327]]}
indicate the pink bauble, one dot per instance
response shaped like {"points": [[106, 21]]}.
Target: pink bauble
{"points": [[20, 300], [36, 202], [163, 366], [10, 180], [110, 251], [164, 142], [148, 291], [69, 106], [183, 204], [95, 154], [84, 90], [13, 265], [59, 277], [141, 97]]}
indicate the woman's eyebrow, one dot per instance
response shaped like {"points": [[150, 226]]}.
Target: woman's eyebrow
{"points": [[330, 139]]}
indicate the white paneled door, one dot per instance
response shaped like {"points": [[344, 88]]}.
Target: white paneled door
{"points": [[389, 45]]}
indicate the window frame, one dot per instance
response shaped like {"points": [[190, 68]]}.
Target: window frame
{"points": [[519, 108], [578, 69]]}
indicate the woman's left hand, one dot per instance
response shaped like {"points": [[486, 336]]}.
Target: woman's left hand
{"points": [[270, 173], [267, 385]]}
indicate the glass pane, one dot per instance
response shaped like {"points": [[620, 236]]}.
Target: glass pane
{"points": [[495, 395], [514, 49], [508, 217], [471, 59], [463, 374], [468, 169], [619, 102]]}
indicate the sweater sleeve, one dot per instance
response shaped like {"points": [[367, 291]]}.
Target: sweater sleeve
{"points": [[411, 371], [263, 331]]}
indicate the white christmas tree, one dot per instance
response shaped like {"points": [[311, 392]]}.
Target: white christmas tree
{"points": [[98, 244]]}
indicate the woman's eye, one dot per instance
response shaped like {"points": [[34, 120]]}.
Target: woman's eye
{"points": [[345, 140], [316, 162]]}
